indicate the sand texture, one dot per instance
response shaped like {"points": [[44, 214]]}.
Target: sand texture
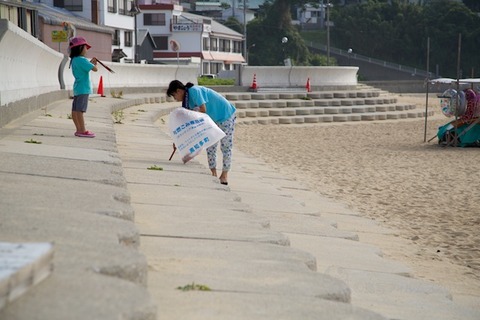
{"points": [[429, 194]]}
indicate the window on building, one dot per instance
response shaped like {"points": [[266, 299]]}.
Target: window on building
{"points": [[123, 7], [215, 67], [213, 44], [205, 68], [206, 44], [116, 38], [10, 13], [71, 5], [128, 38], [154, 19], [33, 18], [24, 18], [237, 46], [112, 6], [225, 45], [161, 42]]}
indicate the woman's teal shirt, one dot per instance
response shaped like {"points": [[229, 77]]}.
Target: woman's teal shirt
{"points": [[218, 108]]}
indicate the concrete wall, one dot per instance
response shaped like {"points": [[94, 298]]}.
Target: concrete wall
{"points": [[137, 77], [27, 68], [285, 77]]}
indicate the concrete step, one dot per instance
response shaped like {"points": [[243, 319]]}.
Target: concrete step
{"points": [[388, 294], [286, 94], [256, 117], [269, 103], [215, 240], [22, 266], [295, 111]]}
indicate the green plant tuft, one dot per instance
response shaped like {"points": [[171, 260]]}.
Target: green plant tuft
{"points": [[33, 141], [154, 167], [194, 287], [117, 95], [215, 82], [118, 116]]}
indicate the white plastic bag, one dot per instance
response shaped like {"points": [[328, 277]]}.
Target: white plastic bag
{"points": [[192, 131]]}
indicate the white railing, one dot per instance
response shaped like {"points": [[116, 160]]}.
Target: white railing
{"points": [[386, 64]]}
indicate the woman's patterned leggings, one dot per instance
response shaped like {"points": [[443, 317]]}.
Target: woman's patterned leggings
{"points": [[226, 144]]}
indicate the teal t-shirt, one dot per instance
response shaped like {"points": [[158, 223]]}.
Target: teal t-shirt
{"points": [[218, 108], [81, 67]]}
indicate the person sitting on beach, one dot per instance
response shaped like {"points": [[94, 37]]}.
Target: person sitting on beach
{"points": [[222, 112]]}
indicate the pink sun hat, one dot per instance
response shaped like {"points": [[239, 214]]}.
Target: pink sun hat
{"points": [[78, 41]]}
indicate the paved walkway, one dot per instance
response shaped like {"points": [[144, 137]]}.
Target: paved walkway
{"points": [[262, 248]]}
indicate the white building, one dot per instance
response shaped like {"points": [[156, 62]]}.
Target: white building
{"points": [[114, 14], [200, 39], [204, 5], [239, 14], [311, 17]]}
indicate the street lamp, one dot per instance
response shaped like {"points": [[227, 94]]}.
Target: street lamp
{"points": [[245, 49], [286, 61], [134, 11]]}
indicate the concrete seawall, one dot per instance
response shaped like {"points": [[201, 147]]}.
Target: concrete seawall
{"points": [[94, 199]]}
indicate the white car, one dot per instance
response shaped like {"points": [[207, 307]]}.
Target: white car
{"points": [[209, 76]]}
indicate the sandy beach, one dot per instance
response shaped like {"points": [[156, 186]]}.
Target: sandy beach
{"points": [[427, 193]]}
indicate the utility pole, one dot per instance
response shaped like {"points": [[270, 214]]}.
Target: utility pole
{"points": [[245, 28], [328, 31]]}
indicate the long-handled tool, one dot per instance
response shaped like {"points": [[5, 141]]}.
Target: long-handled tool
{"points": [[173, 152], [103, 65]]}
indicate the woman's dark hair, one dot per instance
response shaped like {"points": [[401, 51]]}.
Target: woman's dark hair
{"points": [[175, 85], [75, 52]]}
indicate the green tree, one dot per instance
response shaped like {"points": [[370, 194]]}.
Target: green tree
{"points": [[398, 32], [445, 21], [378, 29], [225, 5], [473, 5], [267, 32], [234, 24]]}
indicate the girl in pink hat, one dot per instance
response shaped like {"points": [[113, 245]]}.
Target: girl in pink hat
{"points": [[82, 86]]}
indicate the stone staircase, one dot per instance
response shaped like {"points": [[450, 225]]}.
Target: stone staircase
{"points": [[362, 103]]}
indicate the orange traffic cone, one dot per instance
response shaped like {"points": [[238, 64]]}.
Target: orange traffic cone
{"points": [[100, 87], [254, 83], [309, 89]]}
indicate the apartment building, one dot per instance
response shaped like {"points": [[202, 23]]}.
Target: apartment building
{"points": [[182, 37]]}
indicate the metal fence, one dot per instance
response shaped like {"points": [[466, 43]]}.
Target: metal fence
{"points": [[386, 64]]}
